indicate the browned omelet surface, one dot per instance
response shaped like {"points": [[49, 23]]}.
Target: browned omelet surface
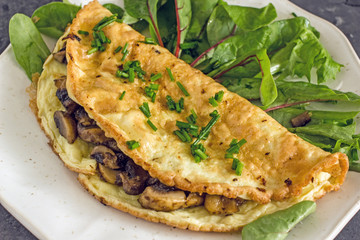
{"points": [[277, 163]]}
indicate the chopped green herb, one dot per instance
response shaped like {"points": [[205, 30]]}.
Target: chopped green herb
{"points": [[171, 103], [131, 75], [229, 155], [201, 154], [237, 166], [186, 135], [219, 96], [213, 102], [235, 146], [181, 103], [149, 41], [206, 130], [122, 95], [192, 117], [150, 91], [145, 109], [151, 125], [125, 54], [118, 49], [132, 144], [82, 32], [91, 51], [170, 74], [122, 74], [180, 135], [182, 88], [155, 77], [125, 48]]}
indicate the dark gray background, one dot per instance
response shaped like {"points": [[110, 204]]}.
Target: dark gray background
{"points": [[345, 14]]}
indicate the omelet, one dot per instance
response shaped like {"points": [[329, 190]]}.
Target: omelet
{"points": [[139, 115]]}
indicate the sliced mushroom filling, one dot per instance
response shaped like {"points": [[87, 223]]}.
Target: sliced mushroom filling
{"points": [[116, 168]]}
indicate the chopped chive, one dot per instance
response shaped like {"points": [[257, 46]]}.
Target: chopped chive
{"points": [[181, 103], [229, 155], [237, 166], [91, 51], [149, 41], [82, 32], [193, 113], [170, 102], [186, 135], [197, 159], [131, 75], [191, 119], [118, 49], [155, 77], [122, 74], [206, 130], [235, 146], [145, 109], [201, 154], [154, 86], [105, 24], [219, 96], [214, 113], [180, 135], [125, 54], [213, 102], [132, 144], [102, 37], [151, 125], [170, 74], [122, 95], [182, 88], [153, 98], [125, 48], [177, 107]]}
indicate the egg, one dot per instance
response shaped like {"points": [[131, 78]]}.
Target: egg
{"points": [[280, 169]]}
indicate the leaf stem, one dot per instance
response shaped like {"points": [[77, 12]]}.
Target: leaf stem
{"points": [[295, 103], [212, 47], [179, 30], [242, 63], [155, 25]]}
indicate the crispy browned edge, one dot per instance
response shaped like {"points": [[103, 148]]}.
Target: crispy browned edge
{"points": [[327, 164]]}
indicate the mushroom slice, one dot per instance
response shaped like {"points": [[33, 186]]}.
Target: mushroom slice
{"points": [[134, 178], [60, 82], [164, 198], [91, 133], [110, 175], [66, 125], [105, 156], [82, 116], [66, 101], [160, 200], [216, 204], [60, 56], [301, 120]]}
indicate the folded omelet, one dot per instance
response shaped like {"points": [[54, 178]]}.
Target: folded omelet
{"points": [[279, 168]]}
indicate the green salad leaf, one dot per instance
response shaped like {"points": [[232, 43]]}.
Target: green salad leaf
{"points": [[29, 48], [115, 9], [145, 9], [244, 16], [52, 19], [276, 226]]}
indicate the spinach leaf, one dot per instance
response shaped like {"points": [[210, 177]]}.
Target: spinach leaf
{"points": [[183, 18], [276, 226], [246, 87], [145, 9], [268, 91], [201, 10], [52, 19], [303, 54], [219, 25], [244, 16], [29, 48], [115, 9]]}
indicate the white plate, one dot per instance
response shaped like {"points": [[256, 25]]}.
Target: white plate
{"points": [[46, 197]]}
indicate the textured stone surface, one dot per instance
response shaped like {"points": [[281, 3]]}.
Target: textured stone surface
{"points": [[345, 14]]}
